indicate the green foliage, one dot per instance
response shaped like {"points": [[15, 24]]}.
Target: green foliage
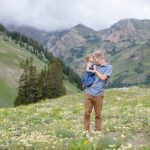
{"points": [[106, 143], [47, 84], [80, 144], [140, 68], [147, 81], [63, 133], [55, 86], [42, 83], [28, 89], [2, 28]]}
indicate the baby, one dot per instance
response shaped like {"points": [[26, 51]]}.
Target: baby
{"points": [[90, 63]]}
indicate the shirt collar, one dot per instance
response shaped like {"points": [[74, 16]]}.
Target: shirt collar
{"points": [[103, 65]]}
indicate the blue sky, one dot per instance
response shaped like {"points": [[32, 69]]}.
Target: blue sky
{"points": [[60, 14]]}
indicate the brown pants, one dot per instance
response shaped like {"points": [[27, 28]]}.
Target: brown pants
{"points": [[89, 102]]}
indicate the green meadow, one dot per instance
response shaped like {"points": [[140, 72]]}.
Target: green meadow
{"points": [[58, 123]]}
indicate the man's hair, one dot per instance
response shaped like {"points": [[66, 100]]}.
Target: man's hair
{"points": [[88, 57], [99, 53]]}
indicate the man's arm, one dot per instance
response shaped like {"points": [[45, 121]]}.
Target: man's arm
{"points": [[103, 76]]}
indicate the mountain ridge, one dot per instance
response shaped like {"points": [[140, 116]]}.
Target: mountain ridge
{"points": [[128, 38]]}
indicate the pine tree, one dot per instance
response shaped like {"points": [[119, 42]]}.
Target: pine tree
{"points": [[23, 84], [47, 84], [42, 83], [55, 87], [28, 87], [33, 92]]}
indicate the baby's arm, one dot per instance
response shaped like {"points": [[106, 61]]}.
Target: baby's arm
{"points": [[87, 67]]}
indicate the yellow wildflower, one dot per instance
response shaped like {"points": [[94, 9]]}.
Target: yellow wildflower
{"points": [[85, 142]]}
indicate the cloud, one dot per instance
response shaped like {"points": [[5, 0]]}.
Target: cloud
{"points": [[59, 14]]}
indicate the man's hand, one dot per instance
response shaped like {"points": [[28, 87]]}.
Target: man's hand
{"points": [[99, 75], [83, 87], [94, 67]]}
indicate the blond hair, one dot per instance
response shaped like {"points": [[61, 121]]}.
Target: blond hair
{"points": [[88, 56], [99, 53]]}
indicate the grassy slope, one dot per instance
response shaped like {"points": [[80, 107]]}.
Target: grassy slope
{"points": [[58, 122], [122, 63], [10, 57]]}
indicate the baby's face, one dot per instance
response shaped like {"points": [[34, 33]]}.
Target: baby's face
{"points": [[96, 60], [91, 59]]}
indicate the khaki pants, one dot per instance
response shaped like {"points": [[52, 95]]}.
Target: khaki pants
{"points": [[89, 102]]}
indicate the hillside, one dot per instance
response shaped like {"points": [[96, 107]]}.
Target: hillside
{"points": [[11, 55], [39, 35], [58, 123], [126, 46]]}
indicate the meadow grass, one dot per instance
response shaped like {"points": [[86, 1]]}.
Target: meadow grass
{"points": [[58, 123]]}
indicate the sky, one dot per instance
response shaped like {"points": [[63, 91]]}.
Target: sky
{"points": [[53, 15]]}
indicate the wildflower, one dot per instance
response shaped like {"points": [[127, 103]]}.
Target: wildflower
{"points": [[53, 146], [112, 145], [107, 130], [85, 142], [91, 139], [129, 145], [115, 138], [122, 136]]}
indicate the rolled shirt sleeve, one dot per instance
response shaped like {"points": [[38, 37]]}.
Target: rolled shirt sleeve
{"points": [[108, 71]]}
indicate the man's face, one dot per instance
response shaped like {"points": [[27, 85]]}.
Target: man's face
{"points": [[97, 60]]}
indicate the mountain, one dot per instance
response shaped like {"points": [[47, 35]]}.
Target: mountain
{"points": [[58, 123], [34, 33], [124, 34], [11, 55], [126, 46]]}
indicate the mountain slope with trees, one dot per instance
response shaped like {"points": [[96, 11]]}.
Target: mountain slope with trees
{"points": [[126, 46], [34, 86], [12, 53]]}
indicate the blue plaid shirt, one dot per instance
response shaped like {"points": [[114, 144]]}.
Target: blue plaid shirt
{"points": [[98, 86]]}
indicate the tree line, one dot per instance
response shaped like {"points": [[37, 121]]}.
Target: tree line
{"points": [[34, 86], [41, 52]]}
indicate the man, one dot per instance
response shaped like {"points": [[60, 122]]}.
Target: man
{"points": [[94, 94]]}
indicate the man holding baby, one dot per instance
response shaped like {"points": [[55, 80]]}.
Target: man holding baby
{"points": [[94, 94]]}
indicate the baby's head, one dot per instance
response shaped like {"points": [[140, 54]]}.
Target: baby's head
{"points": [[89, 58]]}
